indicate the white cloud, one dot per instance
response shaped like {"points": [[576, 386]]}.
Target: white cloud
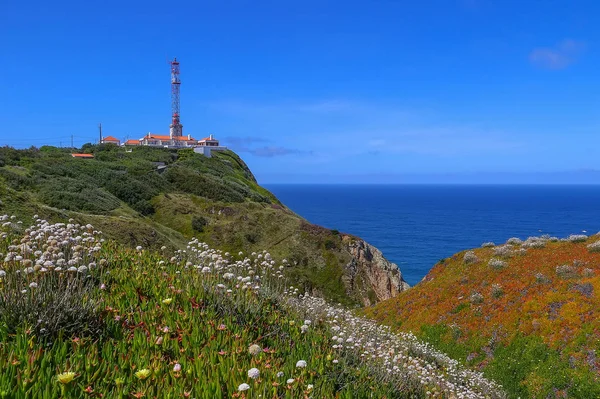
{"points": [[560, 56], [335, 130]]}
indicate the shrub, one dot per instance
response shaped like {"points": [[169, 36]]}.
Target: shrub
{"points": [[252, 236], [59, 304], [75, 195], [497, 263], [476, 298], [488, 244], [503, 251], [534, 242], [203, 185], [144, 207], [129, 189], [55, 292], [199, 223], [330, 244], [497, 291], [541, 278], [470, 257], [594, 247], [577, 238], [185, 153], [566, 271], [514, 241], [587, 272], [14, 180]]}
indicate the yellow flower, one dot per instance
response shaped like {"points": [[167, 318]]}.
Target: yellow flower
{"points": [[167, 301], [67, 377], [143, 374]]}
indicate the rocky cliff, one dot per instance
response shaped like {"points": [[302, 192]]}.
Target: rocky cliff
{"points": [[383, 278]]}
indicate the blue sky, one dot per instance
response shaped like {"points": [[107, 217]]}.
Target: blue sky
{"points": [[320, 91]]}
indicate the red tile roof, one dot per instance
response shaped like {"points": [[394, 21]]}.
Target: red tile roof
{"points": [[110, 138], [208, 139], [157, 137], [82, 155], [132, 142], [166, 138]]}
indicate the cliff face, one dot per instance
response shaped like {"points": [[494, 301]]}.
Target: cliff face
{"points": [[368, 270]]}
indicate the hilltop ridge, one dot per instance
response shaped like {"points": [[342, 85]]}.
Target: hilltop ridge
{"points": [[156, 197]]}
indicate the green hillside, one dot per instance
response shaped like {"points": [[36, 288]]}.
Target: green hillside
{"points": [[155, 197], [85, 317]]}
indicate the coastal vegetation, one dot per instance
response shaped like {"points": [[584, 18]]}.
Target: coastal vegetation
{"points": [[526, 313], [81, 317], [177, 275], [155, 197]]}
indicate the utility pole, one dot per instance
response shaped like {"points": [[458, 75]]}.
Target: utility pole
{"points": [[100, 127], [72, 141]]}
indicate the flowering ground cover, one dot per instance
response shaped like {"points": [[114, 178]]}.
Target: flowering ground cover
{"points": [[81, 317], [526, 313]]}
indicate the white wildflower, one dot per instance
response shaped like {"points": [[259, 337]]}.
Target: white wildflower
{"points": [[301, 364], [243, 387], [253, 373]]}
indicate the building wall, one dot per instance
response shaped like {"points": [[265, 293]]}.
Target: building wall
{"points": [[163, 143], [206, 150]]}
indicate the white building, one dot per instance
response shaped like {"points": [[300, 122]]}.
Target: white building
{"points": [[207, 145], [204, 146]]}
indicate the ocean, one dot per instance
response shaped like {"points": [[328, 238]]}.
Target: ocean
{"points": [[417, 225]]}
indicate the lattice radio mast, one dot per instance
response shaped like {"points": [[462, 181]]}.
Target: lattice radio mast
{"points": [[176, 128]]}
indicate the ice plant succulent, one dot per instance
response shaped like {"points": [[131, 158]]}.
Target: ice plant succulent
{"points": [[66, 377], [143, 374]]}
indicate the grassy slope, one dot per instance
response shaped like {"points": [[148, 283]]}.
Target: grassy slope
{"points": [[250, 226], [158, 314], [538, 335], [123, 195]]}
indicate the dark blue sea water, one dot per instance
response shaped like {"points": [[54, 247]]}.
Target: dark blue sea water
{"points": [[417, 225]]}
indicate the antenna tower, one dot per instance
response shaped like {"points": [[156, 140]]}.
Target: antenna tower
{"points": [[176, 129]]}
